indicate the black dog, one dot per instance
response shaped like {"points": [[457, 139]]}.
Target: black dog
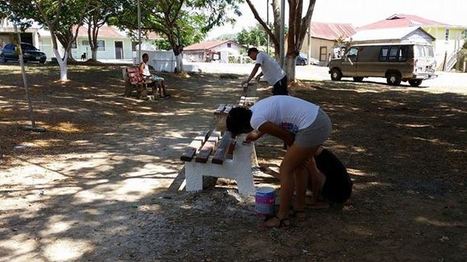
{"points": [[338, 186]]}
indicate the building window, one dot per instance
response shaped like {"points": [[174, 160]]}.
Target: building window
{"points": [[229, 45], [100, 45], [85, 43], [446, 37], [323, 52]]}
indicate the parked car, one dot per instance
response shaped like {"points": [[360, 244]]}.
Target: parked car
{"points": [[394, 61], [301, 60], [313, 61], [30, 53]]}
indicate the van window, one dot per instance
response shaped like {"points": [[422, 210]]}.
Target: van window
{"points": [[419, 51], [403, 52], [352, 52], [393, 54], [423, 51], [383, 55], [429, 51]]}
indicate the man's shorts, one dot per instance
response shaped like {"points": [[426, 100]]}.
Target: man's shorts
{"points": [[280, 87], [316, 133], [154, 78]]}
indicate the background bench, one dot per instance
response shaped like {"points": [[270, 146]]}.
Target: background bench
{"points": [[211, 155], [134, 81]]}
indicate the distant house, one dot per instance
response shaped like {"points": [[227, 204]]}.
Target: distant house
{"points": [[30, 36], [113, 43], [413, 34], [215, 50], [448, 38], [323, 37]]}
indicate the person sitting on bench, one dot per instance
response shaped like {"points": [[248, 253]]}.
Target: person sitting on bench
{"points": [[303, 126], [158, 81]]}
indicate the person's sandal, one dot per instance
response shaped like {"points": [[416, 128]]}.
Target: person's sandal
{"points": [[285, 222], [298, 214]]}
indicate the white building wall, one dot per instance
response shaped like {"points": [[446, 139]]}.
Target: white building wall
{"points": [[418, 36], [108, 53], [225, 51]]}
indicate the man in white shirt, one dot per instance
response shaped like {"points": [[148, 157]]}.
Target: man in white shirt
{"points": [[271, 70], [156, 80]]}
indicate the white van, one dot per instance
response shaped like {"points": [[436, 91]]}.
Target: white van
{"points": [[394, 61]]}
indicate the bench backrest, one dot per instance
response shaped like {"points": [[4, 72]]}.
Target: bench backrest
{"points": [[247, 100], [210, 144], [224, 109], [134, 75]]}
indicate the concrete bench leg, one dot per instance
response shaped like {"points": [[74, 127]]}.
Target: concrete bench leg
{"points": [[238, 168], [194, 181]]}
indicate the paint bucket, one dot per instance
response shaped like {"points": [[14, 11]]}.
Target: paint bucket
{"points": [[265, 199]]}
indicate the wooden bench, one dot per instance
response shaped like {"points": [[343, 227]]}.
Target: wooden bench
{"points": [[211, 155], [220, 116], [221, 112], [134, 81], [247, 100]]}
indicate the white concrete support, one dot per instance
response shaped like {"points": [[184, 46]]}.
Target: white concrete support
{"points": [[238, 168]]}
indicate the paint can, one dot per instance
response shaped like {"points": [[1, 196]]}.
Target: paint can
{"points": [[265, 200]]}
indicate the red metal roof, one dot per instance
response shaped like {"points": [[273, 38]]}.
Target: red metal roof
{"points": [[104, 32], [206, 45], [331, 31], [401, 20]]}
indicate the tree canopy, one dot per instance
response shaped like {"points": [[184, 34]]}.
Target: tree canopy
{"points": [[182, 22]]}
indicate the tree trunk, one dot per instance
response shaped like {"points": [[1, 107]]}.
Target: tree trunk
{"points": [[290, 67], [62, 63], [179, 68], [178, 58], [70, 56], [94, 54], [297, 32], [276, 26]]}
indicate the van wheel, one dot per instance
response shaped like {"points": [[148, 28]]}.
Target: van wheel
{"points": [[393, 79], [358, 79], [415, 82], [336, 74]]}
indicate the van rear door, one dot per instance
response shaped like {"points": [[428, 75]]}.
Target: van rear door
{"points": [[424, 60]]}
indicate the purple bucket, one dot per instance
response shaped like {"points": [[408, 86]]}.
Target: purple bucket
{"points": [[265, 200]]}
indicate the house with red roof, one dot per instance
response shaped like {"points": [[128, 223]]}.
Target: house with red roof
{"points": [[113, 43], [448, 38], [213, 50], [322, 38]]}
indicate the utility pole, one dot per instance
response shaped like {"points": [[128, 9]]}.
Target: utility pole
{"points": [[139, 31], [33, 126], [267, 22], [282, 32]]}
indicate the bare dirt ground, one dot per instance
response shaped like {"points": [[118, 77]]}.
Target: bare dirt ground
{"points": [[95, 186]]}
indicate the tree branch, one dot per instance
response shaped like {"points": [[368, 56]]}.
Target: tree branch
{"points": [[265, 26]]}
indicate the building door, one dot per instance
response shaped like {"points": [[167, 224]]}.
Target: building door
{"points": [[118, 50]]}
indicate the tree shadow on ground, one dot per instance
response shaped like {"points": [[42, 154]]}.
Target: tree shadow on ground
{"points": [[93, 187]]}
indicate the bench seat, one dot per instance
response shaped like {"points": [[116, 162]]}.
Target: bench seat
{"points": [[211, 155]]}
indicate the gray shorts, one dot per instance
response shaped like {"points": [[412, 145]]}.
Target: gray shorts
{"points": [[316, 133]]}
